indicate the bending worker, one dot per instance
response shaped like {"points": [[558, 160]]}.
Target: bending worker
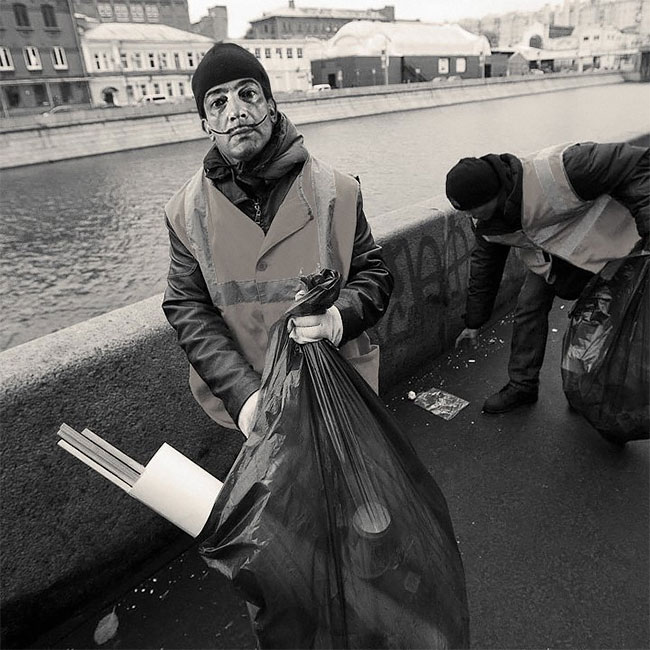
{"points": [[259, 214], [568, 210]]}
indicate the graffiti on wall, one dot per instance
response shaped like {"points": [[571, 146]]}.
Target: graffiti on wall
{"points": [[430, 267]]}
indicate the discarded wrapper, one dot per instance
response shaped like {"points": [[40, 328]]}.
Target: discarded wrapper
{"points": [[441, 403]]}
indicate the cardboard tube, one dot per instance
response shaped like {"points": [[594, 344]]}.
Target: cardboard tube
{"points": [[178, 489]]}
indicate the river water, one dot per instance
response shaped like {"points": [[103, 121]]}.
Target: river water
{"points": [[82, 237]]}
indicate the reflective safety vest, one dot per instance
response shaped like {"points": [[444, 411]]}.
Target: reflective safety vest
{"points": [[253, 278], [555, 220]]}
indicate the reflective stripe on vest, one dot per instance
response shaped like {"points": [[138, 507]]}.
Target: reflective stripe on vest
{"points": [[253, 278], [587, 234]]}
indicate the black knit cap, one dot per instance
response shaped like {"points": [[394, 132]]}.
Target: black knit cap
{"points": [[225, 62], [472, 182]]}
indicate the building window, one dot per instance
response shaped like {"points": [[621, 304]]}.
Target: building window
{"points": [[258, 53], [122, 13], [177, 60], [152, 59], [32, 58], [278, 52], [130, 94], [137, 13], [443, 66], [143, 90], [59, 60], [190, 60], [124, 60], [267, 52], [162, 58], [105, 10], [152, 13], [6, 62], [289, 53], [107, 65], [461, 64], [170, 89], [299, 52], [20, 14], [156, 89], [49, 17], [137, 60], [98, 62], [181, 88]]}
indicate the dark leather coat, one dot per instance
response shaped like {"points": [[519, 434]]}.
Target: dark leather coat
{"points": [[617, 169], [202, 331]]}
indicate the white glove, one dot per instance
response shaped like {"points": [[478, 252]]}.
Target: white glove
{"points": [[309, 329], [247, 414]]}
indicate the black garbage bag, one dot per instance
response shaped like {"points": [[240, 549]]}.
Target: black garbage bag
{"points": [[328, 525], [606, 355]]}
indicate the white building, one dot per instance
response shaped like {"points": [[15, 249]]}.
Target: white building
{"points": [[128, 62], [286, 61]]}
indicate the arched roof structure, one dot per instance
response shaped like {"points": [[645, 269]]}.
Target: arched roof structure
{"points": [[404, 38]]}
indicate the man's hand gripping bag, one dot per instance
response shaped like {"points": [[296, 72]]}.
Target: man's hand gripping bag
{"points": [[328, 524]]}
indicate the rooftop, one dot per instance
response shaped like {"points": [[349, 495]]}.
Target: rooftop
{"points": [[405, 38], [142, 32], [323, 12]]}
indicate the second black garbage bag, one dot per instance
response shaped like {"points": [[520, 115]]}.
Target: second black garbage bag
{"points": [[328, 524], [606, 351]]}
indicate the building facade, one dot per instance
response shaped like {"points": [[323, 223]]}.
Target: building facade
{"points": [[300, 22], [287, 61], [130, 63], [174, 13], [507, 30], [40, 58], [374, 53], [214, 25]]}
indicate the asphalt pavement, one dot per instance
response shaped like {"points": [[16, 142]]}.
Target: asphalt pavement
{"points": [[552, 522]]}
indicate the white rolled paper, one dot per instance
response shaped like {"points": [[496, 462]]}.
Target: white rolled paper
{"points": [[178, 489]]}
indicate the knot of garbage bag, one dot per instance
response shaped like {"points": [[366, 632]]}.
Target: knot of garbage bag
{"points": [[323, 289]]}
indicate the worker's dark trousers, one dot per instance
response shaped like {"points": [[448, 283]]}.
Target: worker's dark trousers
{"points": [[529, 332]]}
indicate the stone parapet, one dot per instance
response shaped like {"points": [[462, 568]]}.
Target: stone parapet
{"points": [[67, 534]]}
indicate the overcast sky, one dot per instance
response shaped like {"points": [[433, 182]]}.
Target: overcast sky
{"points": [[241, 12]]}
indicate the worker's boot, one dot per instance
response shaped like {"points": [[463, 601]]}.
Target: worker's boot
{"points": [[508, 398]]}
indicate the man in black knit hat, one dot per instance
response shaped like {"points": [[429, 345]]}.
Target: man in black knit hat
{"points": [[567, 210], [259, 214]]}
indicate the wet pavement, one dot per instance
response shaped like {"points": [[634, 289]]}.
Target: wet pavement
{"points": [[552, 523]]}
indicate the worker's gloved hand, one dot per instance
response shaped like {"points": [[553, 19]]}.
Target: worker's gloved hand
{"points": [[247, 414], [309, 329], [468, 334]]}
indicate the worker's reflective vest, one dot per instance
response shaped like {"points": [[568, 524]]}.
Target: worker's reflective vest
{"points": [[253, 278], [555, 220]]}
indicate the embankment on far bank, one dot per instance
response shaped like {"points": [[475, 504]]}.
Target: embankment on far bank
{"points": [[87, 133], [68, 536]]}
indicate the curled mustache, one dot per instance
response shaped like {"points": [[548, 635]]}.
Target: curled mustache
{"points": [[234, 128]]}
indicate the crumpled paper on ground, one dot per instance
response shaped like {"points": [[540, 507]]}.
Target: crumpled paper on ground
{"points": [[441, 403]]}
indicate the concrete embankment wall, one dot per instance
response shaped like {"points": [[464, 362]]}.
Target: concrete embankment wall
{"points": [[67, 534], [62, 136]]}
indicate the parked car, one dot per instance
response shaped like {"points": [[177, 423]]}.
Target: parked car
{"points": [[61, 108], [317, 88], [154, 99]]}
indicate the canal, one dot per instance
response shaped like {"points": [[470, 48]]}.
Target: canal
{"points": [[82, 237]]}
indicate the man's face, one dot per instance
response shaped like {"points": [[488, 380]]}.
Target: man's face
{"points": [[240, 118], [485, 211]]}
